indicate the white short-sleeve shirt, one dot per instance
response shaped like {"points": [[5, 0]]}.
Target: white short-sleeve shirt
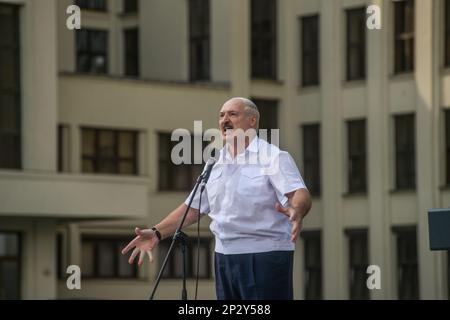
{"points": [[241, 195]]}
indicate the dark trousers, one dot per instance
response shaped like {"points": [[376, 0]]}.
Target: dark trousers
{"points": [[254, 276]]}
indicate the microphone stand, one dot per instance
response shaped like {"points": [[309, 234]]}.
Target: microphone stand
{"points": [[182, 239]]}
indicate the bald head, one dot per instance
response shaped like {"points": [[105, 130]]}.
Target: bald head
{"points": [[250, 108]]}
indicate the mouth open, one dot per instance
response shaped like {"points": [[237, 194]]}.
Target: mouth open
{"points": [[227, 127]]}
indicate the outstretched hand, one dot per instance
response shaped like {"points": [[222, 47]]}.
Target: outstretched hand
{"points": [[143, 244], [294, 217]]}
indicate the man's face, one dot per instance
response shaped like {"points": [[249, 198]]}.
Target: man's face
{"points": [[233, 117]]}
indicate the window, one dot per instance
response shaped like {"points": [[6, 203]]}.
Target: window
{"points": [[268, 111], [447, 143], [313, 264], [264, 39], [311, 157], [407, 265], [310, 51], [130, 6], [10, 268], [356, 44], [102, 258], [63, 148], [358, 263], [61, 256], [174, 177], [131, 40], [199, 40], [447, 33], [405, 154], [404, 35], [95, 5], [92, 48], [109, 151], [448, 274], [174, 267], [10, 96], [356, 130]]}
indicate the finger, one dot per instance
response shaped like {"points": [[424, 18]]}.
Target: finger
{"points": [[130, 245], [137, 231], [141, 258], [150, 255], [133, 255], [297, 228], [282, 210]]}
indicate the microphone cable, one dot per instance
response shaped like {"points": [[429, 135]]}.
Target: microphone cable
{"points": [[198, 242]]}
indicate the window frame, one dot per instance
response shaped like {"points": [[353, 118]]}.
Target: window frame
{"points": [[164, 161], [191, 262], [13, 135], [269, 71], [359, 46], [93, 5], [409, 233], [404, 36], [308, 53], [117, 241], [129, 55], [408, 152], [312, 160], [313, 235], [97, 158], [358, 156], [17, 258], [352, 235], [91, 53], [199, 10]]}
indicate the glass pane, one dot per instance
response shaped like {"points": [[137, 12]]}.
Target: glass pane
{"points": [[88, 166], [9, 75], [204, 260], [126, 167], [87, 259], [9, 244], [9, 113], [177, 259], [126, 145], [106, 144], [163, 247], [88, 142], [9, 279], [125, 269], [98, 41], [107, 166], [10, 151], [8, 25], [106, 259]]}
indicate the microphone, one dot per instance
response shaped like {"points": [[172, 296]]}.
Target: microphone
{"points": [[209, 166]]}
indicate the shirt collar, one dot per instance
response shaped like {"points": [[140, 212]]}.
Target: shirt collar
{"points": [[252, 147]]}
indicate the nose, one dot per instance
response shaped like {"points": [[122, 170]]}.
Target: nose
{"points": [[224, 119]]}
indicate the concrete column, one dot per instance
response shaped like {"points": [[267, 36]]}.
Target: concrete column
{"points": [[39, 82], [430, 270], [44, 246], [334, 285], [378, 153]]}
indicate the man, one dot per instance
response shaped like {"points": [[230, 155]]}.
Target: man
{"points": [[255, 235]]}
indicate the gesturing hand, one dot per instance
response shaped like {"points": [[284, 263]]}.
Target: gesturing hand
{"points": [[294, 217], [144, 243]]}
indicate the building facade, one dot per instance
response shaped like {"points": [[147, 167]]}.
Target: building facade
{"points": [[86, 117]]}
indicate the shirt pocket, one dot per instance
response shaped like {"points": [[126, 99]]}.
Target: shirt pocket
{"points": [[251, 181], [213, 182]]}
